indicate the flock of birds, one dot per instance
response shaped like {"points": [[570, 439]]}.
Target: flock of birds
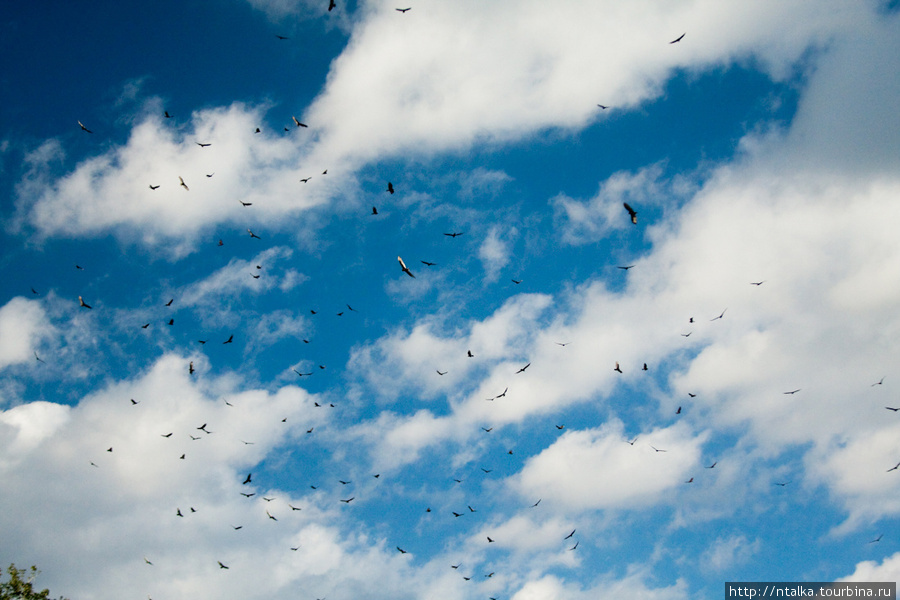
{"points": [[203, 430]]}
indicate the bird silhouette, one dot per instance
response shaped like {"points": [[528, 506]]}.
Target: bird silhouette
{"points": [[454, 234], [82, 303], [221, 566], [183, 184], [402, 10], [154, 187], [404, 268], [247, 480], [631, 212], [253, 235], [83, 128], [678, 39], [617, 368], [298, 123], [331, 5], [390, 187], [203, 145], [523, 368]]}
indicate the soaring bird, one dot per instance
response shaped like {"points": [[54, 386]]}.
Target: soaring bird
{"points": [[879, 382], [166, 114], [792, 392], [439, 372], [183, 184], [298, 123], [523, 368], [516, 281], [722, 314], [631, 212], [405, 268], [617, 367], [570, 535], [427, 264], [83, 128], [331, 5], [403, 10], [602, 107], [230, 339], [253, 235], [454, 234], [221, 566], [247, 480], [305, 179], [892, 408], [374, 210], [402, 551], [390, 188], [154, 187], [678, 39], [83, 303], [282, 37], [203, 145]]}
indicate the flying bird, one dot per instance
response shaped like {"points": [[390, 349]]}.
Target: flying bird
{"points": [[83, 128], [523, 368], [454, 234], [202, 145], [879, 382], [305, 179], [253, 235], [894, 468], [298, 123], [405, 268], [678, 39], [247, 480], [570, 535], [154, 187], [722, 314], [625, 268], [516, 281], [757, 282], [631, 212], [792, 391], [617, 368], [82, 303], [331, 5], [403, 10], [245, 203], [36, 357], [602, 107], [390, 187], [374, 210], [878, 539], [892, 408], [439, 372], [281, 37], [402, 551], [183, 184], [712, 466], [348, 500], [270, 516], [221, 566], [427, 264]]}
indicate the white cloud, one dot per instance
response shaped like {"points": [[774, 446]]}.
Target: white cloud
{"points": [[23, 325], [596, 218], [494, 253], [599, 469], [440, 78], [729, 552]]}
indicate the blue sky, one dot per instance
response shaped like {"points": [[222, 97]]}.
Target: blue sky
{"points": [[762, 147]]}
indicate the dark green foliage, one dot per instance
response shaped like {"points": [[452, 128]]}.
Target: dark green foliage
{"points": [[19, 585]]}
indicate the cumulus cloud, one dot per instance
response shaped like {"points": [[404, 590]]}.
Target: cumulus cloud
{"points": [[23, 324]]}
